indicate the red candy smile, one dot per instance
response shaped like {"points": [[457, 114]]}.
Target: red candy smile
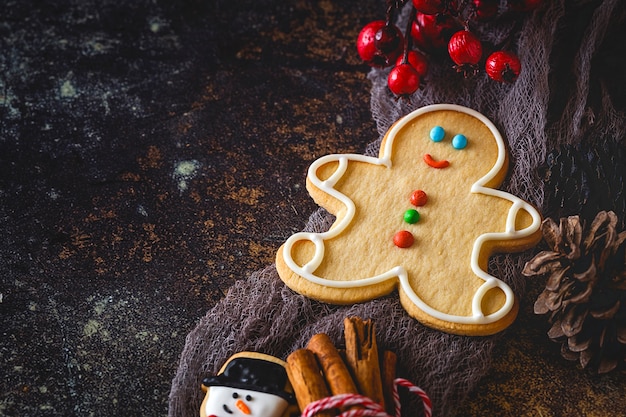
{"points": [[435, 164]]}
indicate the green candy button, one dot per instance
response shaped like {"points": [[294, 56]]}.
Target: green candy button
{"points": [[411, 216]]}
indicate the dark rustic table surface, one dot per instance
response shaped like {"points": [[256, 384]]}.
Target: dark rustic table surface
{"points": [[152, 153]]}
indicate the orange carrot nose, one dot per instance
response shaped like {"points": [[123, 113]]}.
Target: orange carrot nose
{"points": [[243, 407]]}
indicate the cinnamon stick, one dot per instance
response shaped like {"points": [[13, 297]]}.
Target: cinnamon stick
{"points": [[388, 375], [306, 379], [334, 368], [362, 357]]}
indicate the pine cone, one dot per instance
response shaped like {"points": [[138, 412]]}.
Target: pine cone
{"points": [[585, 291]]}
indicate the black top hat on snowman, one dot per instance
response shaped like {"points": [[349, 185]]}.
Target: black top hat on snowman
{"points": [[253, 374]]}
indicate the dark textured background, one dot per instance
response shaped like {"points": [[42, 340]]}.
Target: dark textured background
{"points": [[153, 152]]}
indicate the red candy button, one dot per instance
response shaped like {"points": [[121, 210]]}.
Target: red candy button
{"points": [[418, 198], [403, 239]]}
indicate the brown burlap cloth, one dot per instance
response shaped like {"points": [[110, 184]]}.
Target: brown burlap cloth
{"points": [[571, 88]]}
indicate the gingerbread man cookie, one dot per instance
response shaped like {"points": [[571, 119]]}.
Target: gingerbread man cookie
{"points": [[422, 218]]}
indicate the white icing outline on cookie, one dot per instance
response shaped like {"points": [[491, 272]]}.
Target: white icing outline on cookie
{"points": [[478, 317]]}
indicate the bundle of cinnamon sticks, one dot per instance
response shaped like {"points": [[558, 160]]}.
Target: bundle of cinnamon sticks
{"points": [[321, 369]]}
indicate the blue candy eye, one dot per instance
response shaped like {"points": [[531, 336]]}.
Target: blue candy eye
{"points": [[437, 134], [459, 141]]}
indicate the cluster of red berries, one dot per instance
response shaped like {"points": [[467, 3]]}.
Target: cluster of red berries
{"points": [[436, 27]]}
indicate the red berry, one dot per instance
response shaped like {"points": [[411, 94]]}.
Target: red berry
{"points": [[431, 33], [365, 41], [403, 80], [376, 41], [365, 44], [503, 66], [523, 5], [485, 9], [435, 6], [429, 6], [465, 49], [417, 60], [388, 39]]}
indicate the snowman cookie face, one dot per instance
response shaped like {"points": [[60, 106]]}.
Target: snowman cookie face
{"points": [[235, 402], [422, 218], [249, 384]]}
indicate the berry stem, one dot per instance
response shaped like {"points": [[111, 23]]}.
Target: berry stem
{"points": [[389, 12], [458, 17], [408, 39]]}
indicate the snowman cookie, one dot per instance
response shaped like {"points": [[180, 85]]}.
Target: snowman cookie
{"points": [[249, 384], [422, 218]]}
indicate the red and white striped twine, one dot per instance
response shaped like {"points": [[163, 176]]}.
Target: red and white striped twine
{"points": [[368, 408]]}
